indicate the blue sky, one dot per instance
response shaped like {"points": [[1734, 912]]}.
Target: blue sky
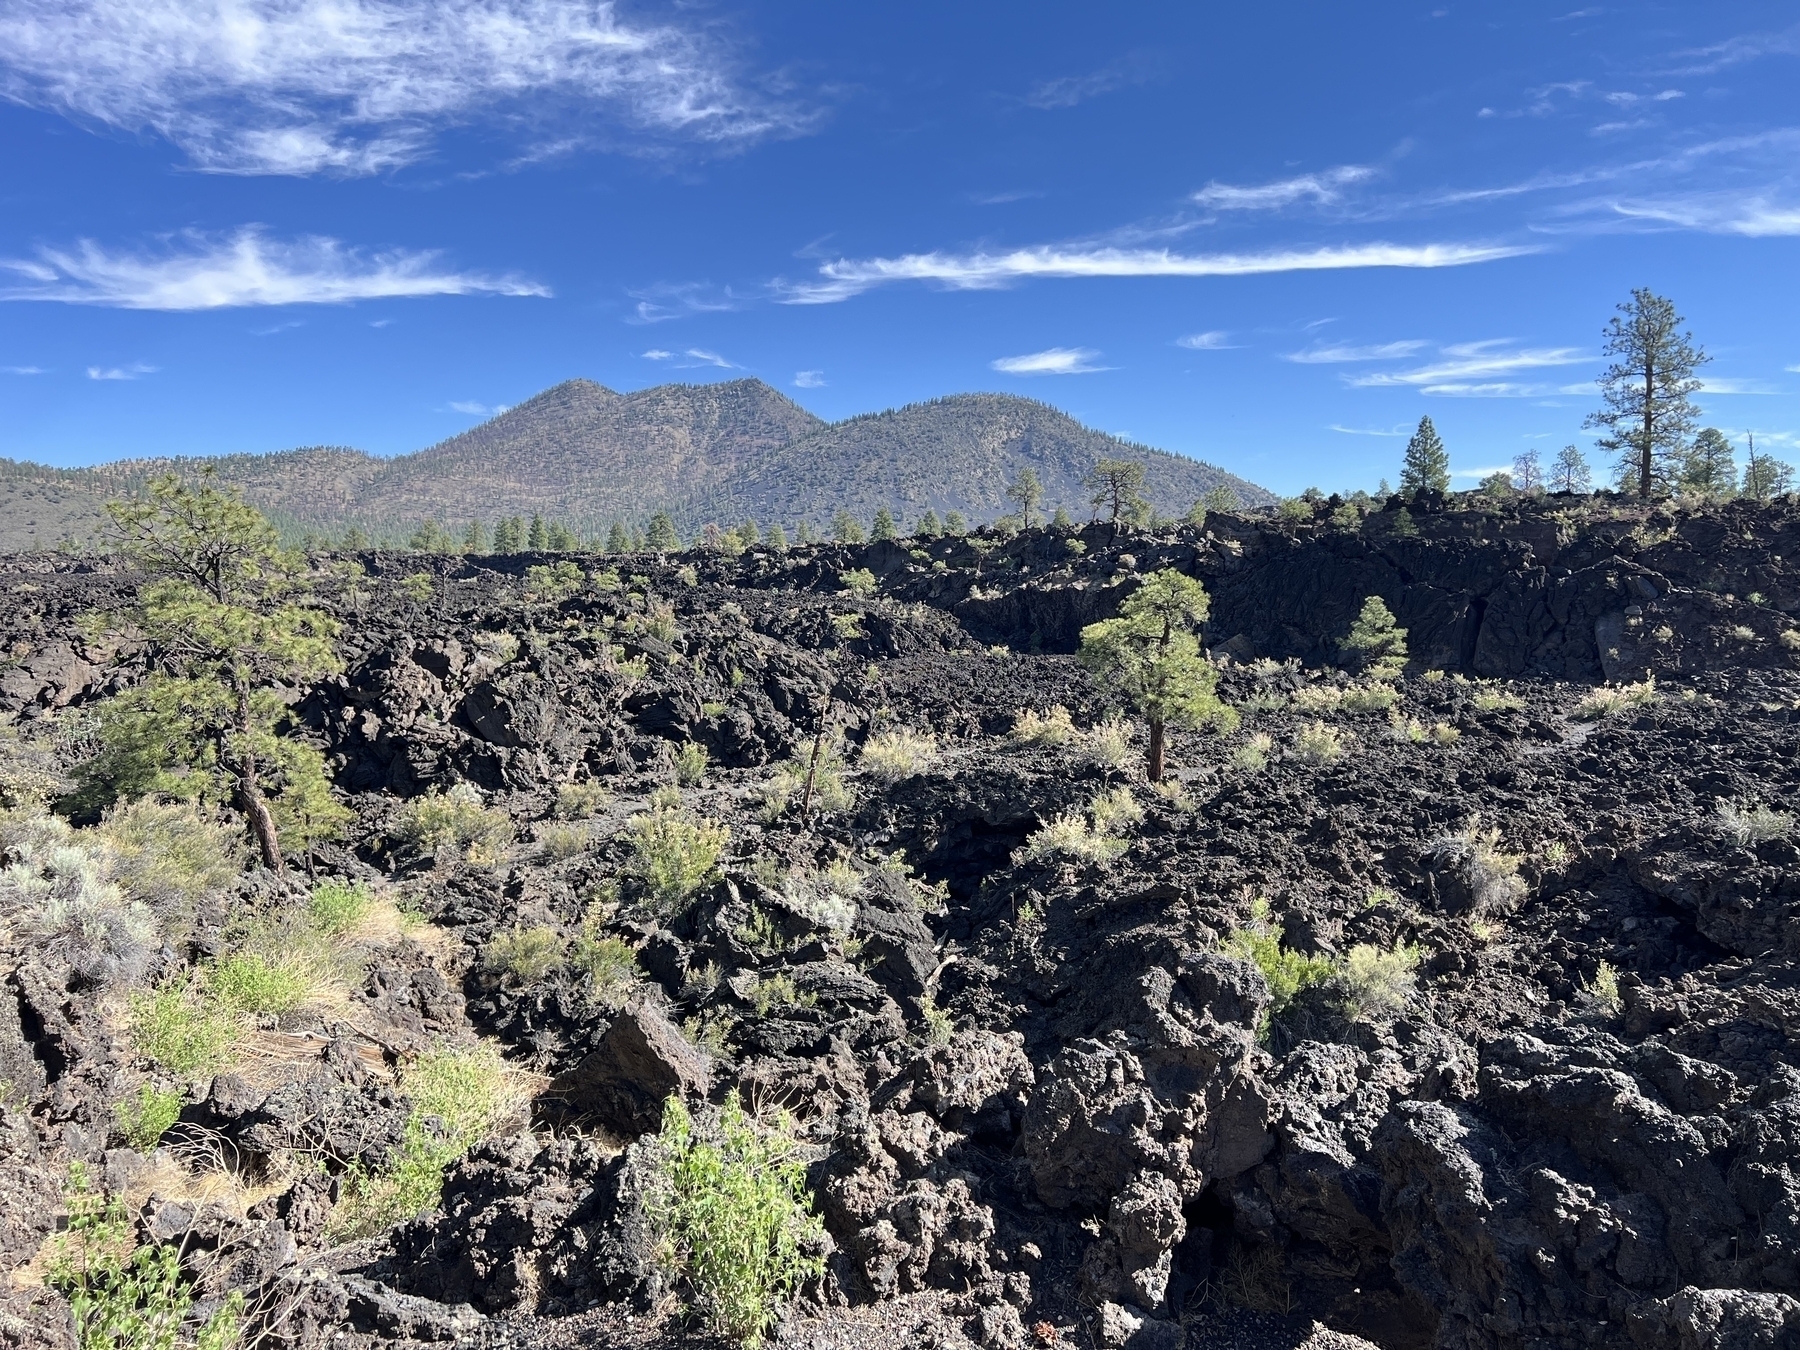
{"points": [[1271, 236]]}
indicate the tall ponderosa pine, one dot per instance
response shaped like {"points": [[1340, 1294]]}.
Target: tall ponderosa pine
{"points": [[777, 539], [538, 538], [845, 529], [661, 536], [1571, 473], [929, 526], [1528, 472], [228, 631], [1377, 641], [1710, 467], [1150, 657], [474, 538], [1116, 486], [1765, 478], [883, 527], [1027, 494], [1426, 467], [618, 538], [1648, 390]]}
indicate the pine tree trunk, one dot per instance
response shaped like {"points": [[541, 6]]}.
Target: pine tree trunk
{"points": [[1647, 454], [262, 821], [1155, 768]]}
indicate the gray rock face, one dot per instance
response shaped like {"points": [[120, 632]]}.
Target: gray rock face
{"points": [[639, 1064]]}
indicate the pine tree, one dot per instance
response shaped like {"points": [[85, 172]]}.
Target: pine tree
{"points": [[803, 532], [748, 534], [1061, 521], [538, 539], [618, 540], [1647, 392], [777, 539], [354, 539], [928, 526], [1383, 491], [883, 528], [1150, 657], [1223, 499], [230, 631], [1379, 642], [1117, 486], [559, 538], [1528, 472], [845, 529], [1027, 493], [661, 536], [1765, 479], [474, 538], [954, 524], [1709, 466], [1570, 473], [1427, 464]]}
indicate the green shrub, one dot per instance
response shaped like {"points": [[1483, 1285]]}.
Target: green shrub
{"points": [[581, 801], [126, 1296], [778, 991], [1054, 727], [1604, 991], [180, 1030], [1370, 697], [786, 787], [1376, 983], [1287, 971], [1317, 699], [1752, 823], [1497, 700], [690, 764], [673, 855], [455, 823], [859, 582], [143, 1118], [251, 983], [528, 955], [1069, 835], [610, 965], [659, 617], [337, 907], [848, 627], [1115, 811], [733, 1219], [554, 583], [1377, 640], [460, 1096], [940, 1026], [898, 754]]}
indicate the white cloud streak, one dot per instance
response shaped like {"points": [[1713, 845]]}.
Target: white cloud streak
{"points": [[22, 370], [1342, 352], [361, 86], [1718, 384], [656, 354], [1754, 216], [244, 269], [1366, 431], [845, 278], [809, 379], [474, 409], [1051, 361], [706, 358], [130, 372], [1469, 370], [1069, 90], [1206, 342], [1318, 188]]}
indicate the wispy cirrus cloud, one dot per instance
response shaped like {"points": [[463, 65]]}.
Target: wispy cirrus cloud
{"points": [[361, 86], [474, 409], [1068, 90], [208, 272], [1345, 352], [1319, 188], [809, 379], [1216, 341], [1751, 215], [1369, 431], [1476, 370], [681, 299], [846, 277], [1051, 361], [1721, 384], [134, 371], [1737, 50], [702, 356], [23, 370]]}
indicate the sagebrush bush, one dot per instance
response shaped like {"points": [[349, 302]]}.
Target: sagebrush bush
{"points": [[690, 764], [727, 1200], [826, 896], [560, 842], [126, 1295], [171, 855], [146, 1115], [786, 787], [1108, 743], [528, 955], [1253, 754], [899, 754], [337, 907], [78, 915], [1054, 727], [1491, 872], [610, 965], [1752, 823], [455, 824], [1317, 743], [1115, 811], [1070, 835], [1317, 699], [778, 991], [1604, 991], [581, 801], [1609, 701], [673, 855], [1370, 697], [252, 983], [1374, 982], [1497, 700]]}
